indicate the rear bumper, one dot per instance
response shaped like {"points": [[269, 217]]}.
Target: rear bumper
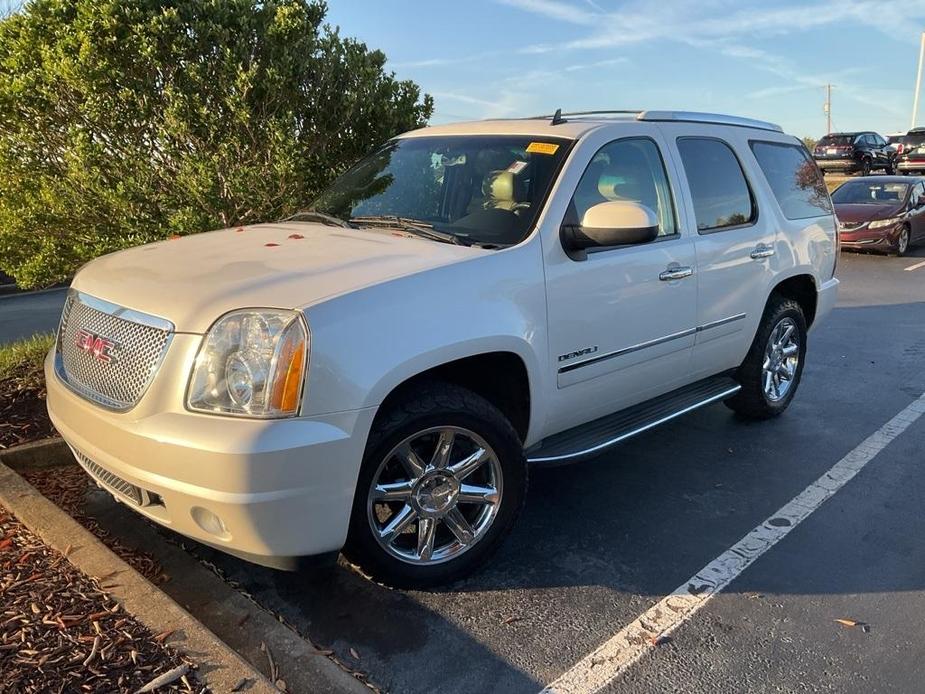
{"points": [[271, 492], [838, 164], [911, 165], [825, 299]]}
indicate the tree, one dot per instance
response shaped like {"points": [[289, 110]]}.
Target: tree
{"points": [[810, 143], [128, 121]]}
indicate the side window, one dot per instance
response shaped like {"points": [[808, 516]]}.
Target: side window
{"points": [[879, 141], [794, 178], [918, 192], [860, 140], [631, 169], [719, 190]]}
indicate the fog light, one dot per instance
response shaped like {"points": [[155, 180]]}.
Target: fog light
{"points": [[210, 522]]}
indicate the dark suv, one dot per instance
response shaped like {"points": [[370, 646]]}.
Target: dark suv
{"points": [[910, 154], [848, 152]]}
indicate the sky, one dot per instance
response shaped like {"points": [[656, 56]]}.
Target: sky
{"points": [[766, 60]]}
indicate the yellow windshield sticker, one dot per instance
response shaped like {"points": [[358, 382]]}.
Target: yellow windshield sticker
{"points": [[542, 147]]}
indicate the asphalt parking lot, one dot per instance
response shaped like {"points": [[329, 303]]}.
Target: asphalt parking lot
{"points": [[602, 542]]}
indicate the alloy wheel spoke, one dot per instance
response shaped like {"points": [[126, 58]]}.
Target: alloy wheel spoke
{"points": [[472, 494], [768, 382], [444, 450], [790, 350], [459, 526], [393, 491], [469, 464], [413, 464], [398, 523], [426, 530], [785, 337]]}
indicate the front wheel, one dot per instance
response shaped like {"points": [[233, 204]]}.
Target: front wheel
{"points": [[771, 372], [902, 242], [889, 169], [441, 484], [865, 167]]}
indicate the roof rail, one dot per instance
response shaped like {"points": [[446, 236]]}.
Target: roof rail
{"points": [[561, 113], [718, 118]]}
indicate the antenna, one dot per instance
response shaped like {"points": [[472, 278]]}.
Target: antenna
{"points": [[557, 118]]}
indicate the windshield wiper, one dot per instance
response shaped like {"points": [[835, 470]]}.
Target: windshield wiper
{"points": [[412, 226], [315, 216]]}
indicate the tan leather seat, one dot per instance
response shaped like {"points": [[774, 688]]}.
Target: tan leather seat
{"points": [[500, 191]]}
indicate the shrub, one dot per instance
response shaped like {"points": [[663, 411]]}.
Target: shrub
{"points": [[128, 121]]}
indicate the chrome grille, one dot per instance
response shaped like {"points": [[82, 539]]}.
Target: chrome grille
{"points": [[111, 481], [139, 342]]}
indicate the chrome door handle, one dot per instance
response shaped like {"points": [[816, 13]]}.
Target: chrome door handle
{"points": [[761, 251], [675, 272]]}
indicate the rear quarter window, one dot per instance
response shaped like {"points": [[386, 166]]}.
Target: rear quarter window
{"points": [[794, 178]]}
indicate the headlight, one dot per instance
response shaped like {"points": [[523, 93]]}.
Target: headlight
{"points": [[251, 363], [880, 223]]}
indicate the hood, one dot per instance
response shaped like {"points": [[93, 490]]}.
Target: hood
{"points": [[193, 280], [865, 212]]}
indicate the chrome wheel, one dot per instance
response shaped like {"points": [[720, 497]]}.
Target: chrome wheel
{"points": [[781, 358], [902, 243], [435, 495]]}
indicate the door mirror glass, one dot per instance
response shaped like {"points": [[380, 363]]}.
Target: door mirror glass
{"points": [[613, 223]]}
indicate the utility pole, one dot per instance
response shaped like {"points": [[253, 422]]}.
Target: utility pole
{"points": [[918, 82], [827, 107]]}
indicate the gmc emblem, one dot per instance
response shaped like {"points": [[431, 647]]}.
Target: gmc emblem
{"points": [[100, 347]]}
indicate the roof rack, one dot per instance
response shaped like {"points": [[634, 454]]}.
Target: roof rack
{"points": [[682, 116]]}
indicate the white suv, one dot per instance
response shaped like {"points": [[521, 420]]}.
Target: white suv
{"points": [[378, 373]]}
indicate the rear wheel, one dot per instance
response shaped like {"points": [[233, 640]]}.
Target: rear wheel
{"points": [[771, 372], [442, 481]]}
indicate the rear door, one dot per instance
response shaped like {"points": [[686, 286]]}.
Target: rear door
{"points": [[917, 212], [735, 243]]}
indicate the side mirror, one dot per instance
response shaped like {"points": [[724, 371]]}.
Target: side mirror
{"points": [[615, 223]]}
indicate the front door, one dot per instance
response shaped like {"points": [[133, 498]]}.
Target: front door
{"points": [[622, 320]]}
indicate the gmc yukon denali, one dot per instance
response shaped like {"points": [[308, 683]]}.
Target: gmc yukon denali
{"points": [[377, 374]]}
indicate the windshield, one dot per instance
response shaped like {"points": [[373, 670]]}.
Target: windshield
{"points": [[875, 193], [485, 189], [914, 139]]}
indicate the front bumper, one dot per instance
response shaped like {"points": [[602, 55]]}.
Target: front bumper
{"points": [[884, 239], [272, 491]]}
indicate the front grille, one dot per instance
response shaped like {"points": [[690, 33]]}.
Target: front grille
{"points": [[136, 343], [112, 481]]}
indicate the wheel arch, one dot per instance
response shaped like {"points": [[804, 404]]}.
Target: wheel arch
{"points": [[802, 289], [501, 377]]}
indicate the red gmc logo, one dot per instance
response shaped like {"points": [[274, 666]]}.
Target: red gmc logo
{"points": [[100, 347]]}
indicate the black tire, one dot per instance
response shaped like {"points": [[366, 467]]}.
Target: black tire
{"points": [[903, 244], [752, 402], [889, 169], [436, 404], [865, 167]]}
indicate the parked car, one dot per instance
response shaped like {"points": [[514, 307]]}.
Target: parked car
{"points": [[853, 152], [893, 141], [880, 213], [910, 155], [377, 373]]}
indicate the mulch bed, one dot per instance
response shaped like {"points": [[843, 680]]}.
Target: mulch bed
{"points": [[23, 417], [67, 486], [61, 632]]}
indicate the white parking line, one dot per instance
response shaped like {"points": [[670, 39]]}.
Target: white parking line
{"points": [[593, 672], [914, 267]]}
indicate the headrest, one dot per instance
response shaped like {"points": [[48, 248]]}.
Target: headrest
{"points": [[499, 186]]}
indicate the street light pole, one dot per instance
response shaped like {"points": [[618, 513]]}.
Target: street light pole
{"points": [[918, 82], [827, 107]]}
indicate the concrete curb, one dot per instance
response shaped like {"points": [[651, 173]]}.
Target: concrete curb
{"points": [[223, 615], [218, 666]]}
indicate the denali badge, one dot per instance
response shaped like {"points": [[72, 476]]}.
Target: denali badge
{"points": [[100, 347], [578, 353]]}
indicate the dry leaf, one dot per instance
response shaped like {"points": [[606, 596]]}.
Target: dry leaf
{"points": [[659, 639], [848, 622]]}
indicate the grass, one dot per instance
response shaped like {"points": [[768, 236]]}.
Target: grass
{"points": [[21, 361]]}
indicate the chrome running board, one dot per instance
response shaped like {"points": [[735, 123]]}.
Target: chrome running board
{"points": [[588, 440]]}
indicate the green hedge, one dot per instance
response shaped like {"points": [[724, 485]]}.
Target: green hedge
{"points": [[127, 121]]}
